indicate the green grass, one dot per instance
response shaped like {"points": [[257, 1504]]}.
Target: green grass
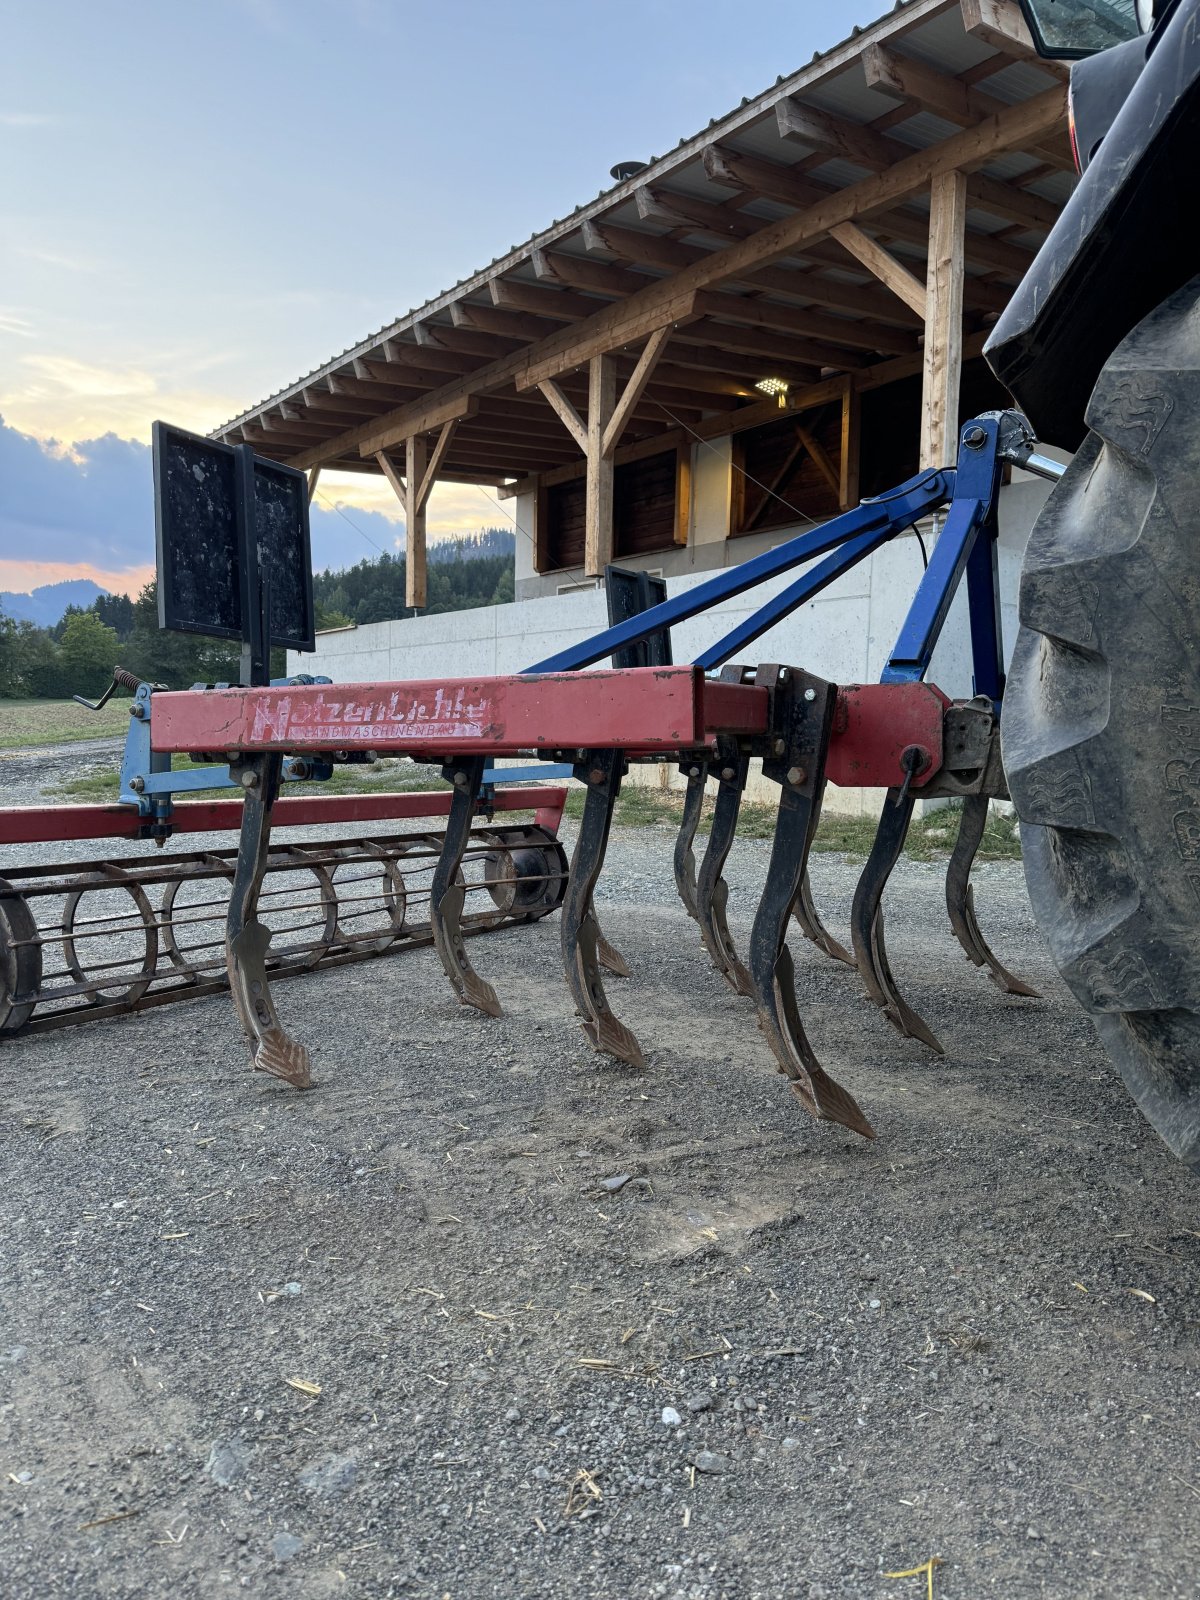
{"points": [[930, 838], [25, 724]]}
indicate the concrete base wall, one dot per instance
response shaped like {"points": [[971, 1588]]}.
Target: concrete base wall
{"points": [[844, 635]]}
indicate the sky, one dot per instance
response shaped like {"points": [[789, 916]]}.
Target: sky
{"points": [[199, 203]]}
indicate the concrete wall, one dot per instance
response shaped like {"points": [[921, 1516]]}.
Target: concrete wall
{"points": [[844, 635]]}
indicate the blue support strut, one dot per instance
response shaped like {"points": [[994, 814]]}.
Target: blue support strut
{"points": [[883, 518], [972, 508]]}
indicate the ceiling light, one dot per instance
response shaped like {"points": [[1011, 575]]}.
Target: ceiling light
{"points": [[775, 386]]}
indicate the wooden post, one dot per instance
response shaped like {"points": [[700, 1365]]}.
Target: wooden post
{"points": [[602, 399], [683, 492], [313, 477], [943, 319], [848, 491], [414, 519]]}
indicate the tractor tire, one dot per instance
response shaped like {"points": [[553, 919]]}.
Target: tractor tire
{"points": [[1101, 726]]}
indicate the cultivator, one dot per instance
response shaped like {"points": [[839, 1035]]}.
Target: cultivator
{"points": [[711, 718]]}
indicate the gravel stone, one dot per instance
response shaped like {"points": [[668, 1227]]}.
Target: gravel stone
{"points": [[330, 1475], [228, 1461], [285, 1545]]}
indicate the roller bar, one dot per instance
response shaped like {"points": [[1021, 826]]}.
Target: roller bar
{"points": [[43, 825]]}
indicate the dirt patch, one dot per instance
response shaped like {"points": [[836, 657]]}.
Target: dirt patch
{"points": [[977, 1338]]}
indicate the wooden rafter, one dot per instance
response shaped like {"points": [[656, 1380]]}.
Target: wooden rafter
{"points": [[883, 264], [634, 389], [566, 411], [928, 89]]}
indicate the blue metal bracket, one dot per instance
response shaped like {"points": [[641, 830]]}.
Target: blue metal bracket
{"points": [[971, 509], [883, 518], [970, 490]]}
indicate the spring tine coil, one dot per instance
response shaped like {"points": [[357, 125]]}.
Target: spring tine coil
{"points": [[800, 771], [960, 898], [247, 939], [712, 892], [866, 921], [449, 890], [601, 770], [685, 858]]}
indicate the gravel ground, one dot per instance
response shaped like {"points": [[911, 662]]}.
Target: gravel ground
{"points": [[778, 1361]]}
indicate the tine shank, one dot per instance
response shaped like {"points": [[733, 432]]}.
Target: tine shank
{"points": [[800, 772], [960, 899], [809, 919], [866, 921], [712, 892], [685, 860], [247, 939], [601, 770], [610, 958], [448, 891]]}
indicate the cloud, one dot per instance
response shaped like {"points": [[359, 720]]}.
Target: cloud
{"points": [[58, 396], [86, 510], [26, 119], [13, 323]]}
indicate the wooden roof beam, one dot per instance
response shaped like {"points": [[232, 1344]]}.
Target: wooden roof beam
{"points": [[764, 342], [854, 142], [1000, 24], [861, 335], [927, 89], [556, 266], [517, 325], [557, 305]]}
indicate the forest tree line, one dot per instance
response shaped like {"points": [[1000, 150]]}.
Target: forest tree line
{"points": [[77, 654]]}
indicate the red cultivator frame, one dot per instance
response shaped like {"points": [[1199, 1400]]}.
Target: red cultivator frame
{"points": [[902, 735]]}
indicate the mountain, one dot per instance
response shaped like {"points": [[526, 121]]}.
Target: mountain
{"points": [[46, 605], [472, 546]]}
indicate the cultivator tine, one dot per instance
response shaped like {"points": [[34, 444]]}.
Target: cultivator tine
{"points": [[960, 900], [448, 890], [685, 860], [809, 919], [712, 892], [800, 770], [247, 939], [610, 958], [601, 771], [866, 920]]}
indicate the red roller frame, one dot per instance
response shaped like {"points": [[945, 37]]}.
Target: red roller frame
{"points": [[34, 825]]}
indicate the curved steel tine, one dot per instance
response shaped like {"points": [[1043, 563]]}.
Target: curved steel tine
{"points": [[247, 939], [960, 900], [685, 860], [771, 970], [610, 958], [712, 892], [866, 921], [448, 891], [601, 770], [809, 919]]}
